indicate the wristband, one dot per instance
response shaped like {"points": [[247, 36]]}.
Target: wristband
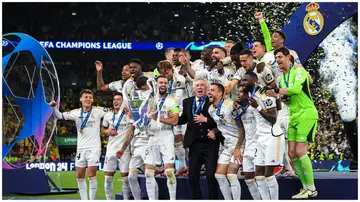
{"points": [[259, 108], [119, 153], [276, 90]]}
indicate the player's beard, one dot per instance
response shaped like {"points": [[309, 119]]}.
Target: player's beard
{"points": [[213, 63]]}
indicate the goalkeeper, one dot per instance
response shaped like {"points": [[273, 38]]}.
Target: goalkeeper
{"points": [[294, 83]]}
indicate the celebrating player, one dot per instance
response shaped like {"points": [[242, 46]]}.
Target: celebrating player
{"points": [[88, 120], [245, 119], [117, 124], [227, 168], [161, 142], [271, 141], [303, 119]]}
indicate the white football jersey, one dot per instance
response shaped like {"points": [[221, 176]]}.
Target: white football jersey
{"points": [[115, 143], [90, 136], [198, 65], [163, 133], [269, 59], [213, 76], [249, 122], [226, 124], [265, 77], [264, 127], [178, 88], [116, 86]]}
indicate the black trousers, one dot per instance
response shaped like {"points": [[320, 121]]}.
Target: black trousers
{"points": [[200, 152]]}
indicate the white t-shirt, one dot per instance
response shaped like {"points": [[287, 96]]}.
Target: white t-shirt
{"points": [[90, 136], [227, 124], [163, 134], [116, 142], [264, 127]]}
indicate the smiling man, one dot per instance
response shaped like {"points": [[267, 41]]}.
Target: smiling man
{"points": [[303, 119], [88, 120], [161, 141], [201, 148]]}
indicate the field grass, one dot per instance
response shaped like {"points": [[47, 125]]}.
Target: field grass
{"points": [[67, 179]]}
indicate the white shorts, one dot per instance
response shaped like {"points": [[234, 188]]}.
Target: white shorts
{"points": [[137, 157], [112, 162], [157, 153], [86, 158], [179, 129], [226, 155], [270, 151], [249, 159]]}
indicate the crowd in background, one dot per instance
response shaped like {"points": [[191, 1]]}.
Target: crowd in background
{"points": [[140, 22]]}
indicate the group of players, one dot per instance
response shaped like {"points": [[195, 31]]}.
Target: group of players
{"points": [[260, 99]]}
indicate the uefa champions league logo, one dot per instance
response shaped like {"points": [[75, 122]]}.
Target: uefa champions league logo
{"points": [[30, 82], [159, 45]]}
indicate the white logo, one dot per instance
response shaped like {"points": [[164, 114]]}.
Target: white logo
{"points": [[5, 43], [159, 45]]}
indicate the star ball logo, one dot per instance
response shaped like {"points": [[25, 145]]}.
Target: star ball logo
{"points": [[313, 20], [159, 45]]}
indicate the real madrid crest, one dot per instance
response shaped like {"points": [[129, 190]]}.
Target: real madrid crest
{"points": [[313, 20]]}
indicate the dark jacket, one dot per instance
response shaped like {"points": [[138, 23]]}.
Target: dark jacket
{"points": [[194, 130]]}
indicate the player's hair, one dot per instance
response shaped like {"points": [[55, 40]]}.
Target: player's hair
{"points": [[137, 61], [222, 49], [168, 50], [260, 65], [160, 76], [220, 87], [282, 50], [200, 79], [282, 34], [251, 74], [230, 41], [261, 41], [246, 51], [236, 49], [178, 50], [117, 94], [208, 48], [86, 91], [292, 59], [164, 64], [141, 82]]}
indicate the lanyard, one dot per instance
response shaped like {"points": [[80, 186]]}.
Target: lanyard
{"points": [[162, 103], [83, 124], [170, 86], [219, 108], [246, 107], [288, 79], [196, 109], [119, 120]]}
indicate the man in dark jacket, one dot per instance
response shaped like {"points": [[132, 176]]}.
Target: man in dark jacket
{"points": [[202, 149]]}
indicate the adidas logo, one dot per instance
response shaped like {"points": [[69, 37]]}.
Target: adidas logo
{"points": [[273, 161], [172, 158]]}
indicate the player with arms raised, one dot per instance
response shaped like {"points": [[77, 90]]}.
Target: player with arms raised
{"points": [[88, 121]]}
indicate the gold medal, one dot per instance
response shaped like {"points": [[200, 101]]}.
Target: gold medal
{"points": [[81, 131]]}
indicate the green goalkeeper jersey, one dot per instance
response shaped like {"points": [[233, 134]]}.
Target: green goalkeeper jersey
{"points": [[301, 105]]}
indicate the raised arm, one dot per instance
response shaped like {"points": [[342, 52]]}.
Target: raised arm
{"points": [[264, 30], [100, 84]]}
